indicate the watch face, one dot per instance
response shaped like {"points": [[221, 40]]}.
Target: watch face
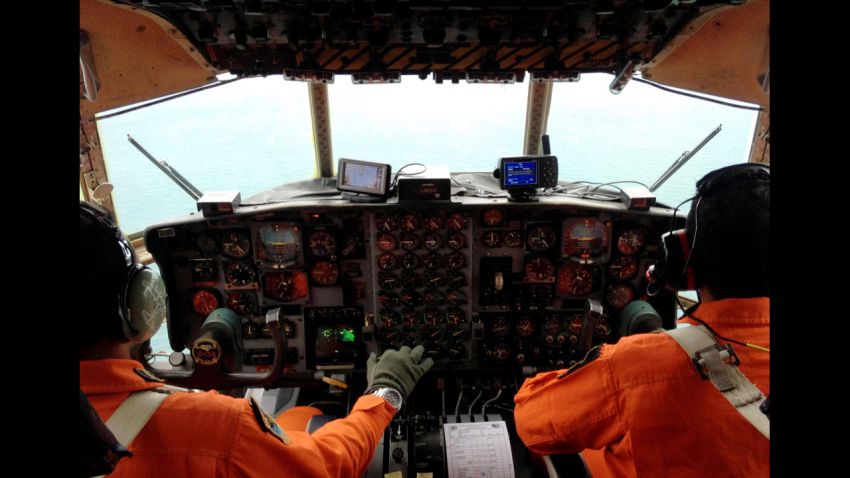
{"points": [[393, 397]]}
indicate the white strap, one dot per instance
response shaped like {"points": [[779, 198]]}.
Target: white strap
{"points": [[714, 360], [133, 414]]}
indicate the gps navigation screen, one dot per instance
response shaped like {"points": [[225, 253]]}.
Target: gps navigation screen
{"points": [[521, 173], [368, 178]]}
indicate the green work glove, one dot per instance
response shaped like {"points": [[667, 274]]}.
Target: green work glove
{"points": [[398, 369]]}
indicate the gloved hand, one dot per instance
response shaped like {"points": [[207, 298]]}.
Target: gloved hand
{"points": [[398, 369]]}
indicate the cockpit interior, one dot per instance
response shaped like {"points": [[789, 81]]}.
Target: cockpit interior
{"points": [[500, 275]]}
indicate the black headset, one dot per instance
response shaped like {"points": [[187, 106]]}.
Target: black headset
{"points": [[141, 303], [673, 266]]}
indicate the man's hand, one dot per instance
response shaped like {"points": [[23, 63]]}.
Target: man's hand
{"points": [[398, 369]]}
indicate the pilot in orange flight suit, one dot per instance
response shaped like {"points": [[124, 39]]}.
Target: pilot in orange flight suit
{"points": [[638, 408], [207, 433]]}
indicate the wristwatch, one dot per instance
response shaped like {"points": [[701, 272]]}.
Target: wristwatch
{"points": [[391, 395]]}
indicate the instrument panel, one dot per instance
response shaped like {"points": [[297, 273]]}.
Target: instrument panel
{"points": [[481, 284]]}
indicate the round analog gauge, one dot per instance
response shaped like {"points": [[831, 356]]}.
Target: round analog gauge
{"points": [[410, 280], [204, 302], [433, 223], [206, 244], [631, 242], [410, 222], [387, 280], [540, 238], [409, 261], [585, 238], [285, 286], [456, 297], [493, 217], [433, 317], [387, 262], [456, 279], [236, 244], [386, 242], [409, 241], [432, 261], [410, 318], [434, 297], [552, 324], [619, 295], [392, 337], [434, 280], [203, 271], [513, 238], [575, 325], [241, 302], [456, 260], [498, 351], [386, 222], [239, 274], [500, 327], [575, 280], [456, 241], [623, 267], [433, 241], [457, 334], [324, 273], [321, 244], [525, 327], [456, 221], [455, 316], [434, 334], [389, 318], [412, 337], [491, 239], [540, 269], [388, 299], [410, 298], [280, 242]]}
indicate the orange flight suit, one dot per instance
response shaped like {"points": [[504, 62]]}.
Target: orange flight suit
{"points": [[212, 435], [641, 409]]}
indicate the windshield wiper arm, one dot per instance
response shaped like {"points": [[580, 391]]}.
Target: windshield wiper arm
{"points": [[172, 173], [681, 160]]}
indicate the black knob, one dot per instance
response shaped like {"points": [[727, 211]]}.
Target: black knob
{"points": [[398, 454]]}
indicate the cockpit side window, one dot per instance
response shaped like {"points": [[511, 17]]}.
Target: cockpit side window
{"points": [[638, 134], [250, 135]]}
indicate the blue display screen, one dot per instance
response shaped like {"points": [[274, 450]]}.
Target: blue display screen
{"points": [[521, 173]]}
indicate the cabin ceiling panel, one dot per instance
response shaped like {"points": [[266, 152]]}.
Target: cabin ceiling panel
{"points": [[137, 56], [725, 54]]}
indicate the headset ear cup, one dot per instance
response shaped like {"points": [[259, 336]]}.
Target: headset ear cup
{"points": [[672, 259], [146, 305]]}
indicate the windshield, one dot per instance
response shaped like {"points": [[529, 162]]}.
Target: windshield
{"points": [[254, 134]]}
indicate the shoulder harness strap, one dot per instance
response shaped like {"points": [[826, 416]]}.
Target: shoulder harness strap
{"points": [[718, 364], [134, 413]]}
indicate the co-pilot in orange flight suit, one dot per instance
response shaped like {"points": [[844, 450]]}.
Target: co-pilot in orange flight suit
{"points": [[641, 409], [212, 435]]}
